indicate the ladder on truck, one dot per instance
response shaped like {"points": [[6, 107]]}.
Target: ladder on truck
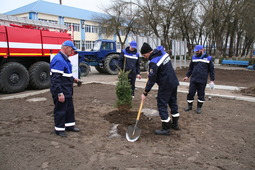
{"points": [[29, 23]]}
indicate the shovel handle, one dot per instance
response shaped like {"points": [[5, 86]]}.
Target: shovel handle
{"points": [[139, 111]]}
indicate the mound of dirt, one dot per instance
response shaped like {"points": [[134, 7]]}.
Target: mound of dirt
{"points": [[250, 91], [147, 124]]}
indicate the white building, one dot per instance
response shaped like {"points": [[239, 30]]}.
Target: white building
{"points": [[85, 29]]}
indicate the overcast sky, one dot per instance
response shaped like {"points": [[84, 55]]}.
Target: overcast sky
{"points": [[92, 5]]}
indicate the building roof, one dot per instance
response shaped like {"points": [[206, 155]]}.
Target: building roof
{"points": [[55, 9]]}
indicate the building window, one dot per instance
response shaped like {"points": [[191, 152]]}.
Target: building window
{"points": [[69, 25], [42, 20], [94, 29], [47, 20], [76, 27], [87, 28], [91, 28], [77, 44], [89, 45], [54, 22]]}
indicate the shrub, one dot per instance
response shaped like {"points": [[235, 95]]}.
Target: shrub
{"points": [[123, 92]]}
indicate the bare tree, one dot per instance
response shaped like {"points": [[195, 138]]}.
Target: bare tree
{"points": [[119, 20], [185, 23], [230, 22], [248, 18], [225, 26], [158, 15]]}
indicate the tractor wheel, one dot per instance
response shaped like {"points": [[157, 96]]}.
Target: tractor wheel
{"points": [[100, 70], [39, 74], [14, 78], [84, 69], [110, 64]]}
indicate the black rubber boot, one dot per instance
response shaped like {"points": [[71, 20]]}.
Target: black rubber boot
{"points": [[61, 133], [189, 107], [199, 107], [165, 129], [72, 129], [174, 124]]}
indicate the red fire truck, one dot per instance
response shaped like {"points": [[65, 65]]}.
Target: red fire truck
{"points": [[25, 48]]}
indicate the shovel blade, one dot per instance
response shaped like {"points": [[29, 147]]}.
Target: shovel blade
{"points": [[133, 133]]}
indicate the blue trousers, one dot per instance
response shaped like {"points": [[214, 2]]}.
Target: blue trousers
{"points": [[167, 97], [196, 87], [132, 79], [63, 114]]}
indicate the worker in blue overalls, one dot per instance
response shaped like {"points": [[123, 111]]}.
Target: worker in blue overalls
{"points": [[200, 66], [161, 72], [130, 58], [62, 89]]}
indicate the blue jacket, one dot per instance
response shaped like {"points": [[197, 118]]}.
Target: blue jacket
{"points": [[200, 67], [132, 61], [61, 76], [161, 71]]}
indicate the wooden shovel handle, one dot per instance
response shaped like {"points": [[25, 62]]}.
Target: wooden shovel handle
{"points": [[139, 111]]}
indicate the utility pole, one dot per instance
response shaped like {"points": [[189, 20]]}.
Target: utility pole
{"points": [[60, 2]]}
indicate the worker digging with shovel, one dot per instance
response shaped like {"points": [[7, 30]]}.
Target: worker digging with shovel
{"points": [[161, 72]]}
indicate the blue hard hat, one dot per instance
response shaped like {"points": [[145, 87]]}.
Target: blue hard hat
{"points": [[70, 44], [198, 47], [133, 44]]}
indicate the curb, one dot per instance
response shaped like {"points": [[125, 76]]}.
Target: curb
{"points": [[220, 87], [248, 99]]}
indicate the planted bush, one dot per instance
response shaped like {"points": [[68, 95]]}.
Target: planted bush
{"points": [[123, 92]]}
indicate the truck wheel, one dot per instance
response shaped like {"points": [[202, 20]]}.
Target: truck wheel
{"points": [[14, 77], [39, 74], [84, 69], [110, 64], [100, 70]]}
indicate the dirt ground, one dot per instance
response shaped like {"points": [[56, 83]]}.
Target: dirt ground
{"points": [[239, 78], [221, 138]]}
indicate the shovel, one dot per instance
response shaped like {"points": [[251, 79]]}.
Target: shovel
{"points": [[133, 132]]}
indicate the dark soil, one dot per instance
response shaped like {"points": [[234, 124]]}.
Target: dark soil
{"points": [[240, 78], [250, 91], [222, 137]]}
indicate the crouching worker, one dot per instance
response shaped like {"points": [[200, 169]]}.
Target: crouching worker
{"points": [[161, 72], [62, 89]]}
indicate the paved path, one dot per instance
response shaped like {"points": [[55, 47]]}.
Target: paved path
{"points": [[229, 92]]}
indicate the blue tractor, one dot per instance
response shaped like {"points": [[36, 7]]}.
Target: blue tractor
{"points": [[103, 56]]}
